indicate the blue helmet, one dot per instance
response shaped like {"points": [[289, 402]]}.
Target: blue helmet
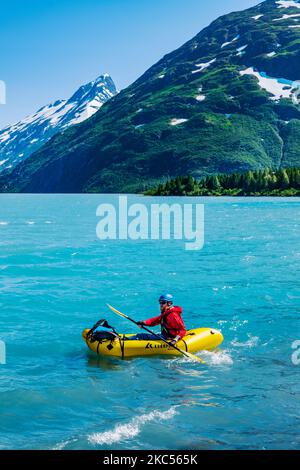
{"points": [[166, 298]]}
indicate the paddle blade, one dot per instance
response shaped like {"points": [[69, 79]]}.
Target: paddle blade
{"points": [[193, 357], [117, 311]]}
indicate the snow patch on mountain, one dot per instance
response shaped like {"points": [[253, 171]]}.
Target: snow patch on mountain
{"points": [[175, 122], [286, 17], [278, 87], [27, 136], [241, 50], [204, 65], [200, 97], [230, 42], [287, 4], [3, 137], [256, 17]]}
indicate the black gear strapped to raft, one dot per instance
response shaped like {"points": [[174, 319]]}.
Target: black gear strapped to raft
{"points": [[102, 336], [94, 335]]}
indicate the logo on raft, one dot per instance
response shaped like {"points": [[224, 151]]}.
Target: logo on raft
{"points": [[158, 346]]}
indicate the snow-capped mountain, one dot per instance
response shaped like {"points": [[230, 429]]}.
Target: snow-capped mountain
{"points": [[226, 101], [20, 140]]}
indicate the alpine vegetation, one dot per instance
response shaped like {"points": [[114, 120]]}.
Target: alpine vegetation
{"points": [[227, 101]]}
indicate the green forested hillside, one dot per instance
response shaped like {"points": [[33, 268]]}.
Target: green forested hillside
{"points": [[226, 101]]}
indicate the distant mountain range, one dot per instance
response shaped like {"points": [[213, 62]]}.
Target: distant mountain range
{"points": [[20, 140], [226, 101]]}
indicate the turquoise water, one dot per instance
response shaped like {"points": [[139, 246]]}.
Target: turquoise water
{"points": [[55, 278]]}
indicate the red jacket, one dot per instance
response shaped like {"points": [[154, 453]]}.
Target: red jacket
{"points": [[171, 322]]}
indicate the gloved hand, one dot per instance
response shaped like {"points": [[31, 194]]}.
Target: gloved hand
{"points": [[140, 324], [175, 340]]}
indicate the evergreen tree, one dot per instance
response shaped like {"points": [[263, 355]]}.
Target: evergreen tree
{"points": [[273, 181], [167, 188], [213, 182], [283, 179], [236, 181], [160, 190], [248, 182], [190, 184], [260, 181]]}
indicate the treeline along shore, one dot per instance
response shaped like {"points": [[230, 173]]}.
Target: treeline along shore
{"points": [[266, 182]]}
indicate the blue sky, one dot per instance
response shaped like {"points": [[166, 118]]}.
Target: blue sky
{"points": [[51, 47]]}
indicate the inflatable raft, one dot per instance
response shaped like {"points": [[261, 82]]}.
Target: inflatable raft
{"points": [[124, 346]]}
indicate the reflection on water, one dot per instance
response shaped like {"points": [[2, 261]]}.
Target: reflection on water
{"points": [[104, 362]]}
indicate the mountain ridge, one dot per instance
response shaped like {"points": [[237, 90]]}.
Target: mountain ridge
{"points": [[225, 101], [20, 140]]}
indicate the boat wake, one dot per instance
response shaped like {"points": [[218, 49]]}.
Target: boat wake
{"points": [[250, 343], [217, 358], [214, 358], [131, 429]]}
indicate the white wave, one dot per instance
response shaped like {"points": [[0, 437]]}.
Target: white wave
{"points": [[217, 358], [62, 445], [236, 324], [249, 258], [185, 371], [3, 222], [250, 343], [133, 428], [30, 222], [177, 360]]}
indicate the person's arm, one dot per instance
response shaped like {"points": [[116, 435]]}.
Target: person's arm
{"points": [[177, 323], [151, 321], [181, 333]]}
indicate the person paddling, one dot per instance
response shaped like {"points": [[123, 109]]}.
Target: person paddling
{"points": [[172, 325]]}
